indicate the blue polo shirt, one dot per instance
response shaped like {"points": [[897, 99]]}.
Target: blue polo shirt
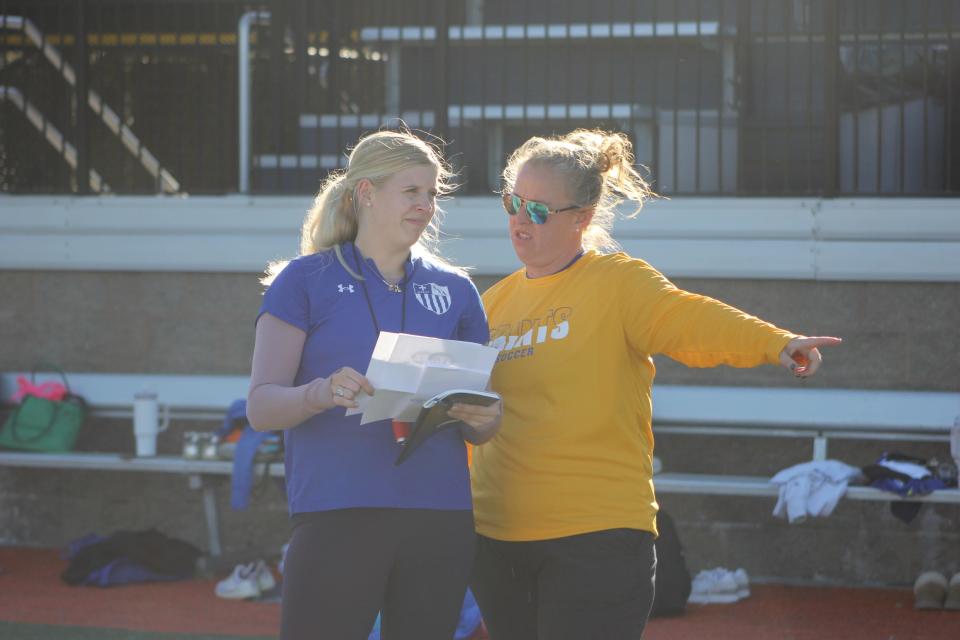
{"points": [[332, 462]]}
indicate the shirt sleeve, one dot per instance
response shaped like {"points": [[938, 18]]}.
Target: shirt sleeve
{"points": [[473, 322], [287, 299], [693, 329]]}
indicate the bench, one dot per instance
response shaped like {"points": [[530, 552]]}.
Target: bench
{"points": [[817, 414], [912, 416], [185, 397]]}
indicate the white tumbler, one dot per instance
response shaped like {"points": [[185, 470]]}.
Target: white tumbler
{"points": [[146, 422]]}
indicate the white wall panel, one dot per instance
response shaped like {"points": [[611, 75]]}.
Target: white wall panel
{"points": [[769, 238], [889, 260]]}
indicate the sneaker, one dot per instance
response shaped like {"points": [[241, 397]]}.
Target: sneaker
{"points": [[716, 586], [953, 594], [739, 577], [930, 590], [241, 584], [743, 583], [262, 574]]}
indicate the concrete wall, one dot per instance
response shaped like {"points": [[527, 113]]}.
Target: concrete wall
{"points": [[897, 336]]}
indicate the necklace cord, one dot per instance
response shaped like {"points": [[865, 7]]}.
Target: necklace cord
{"points": [[402, 285]]}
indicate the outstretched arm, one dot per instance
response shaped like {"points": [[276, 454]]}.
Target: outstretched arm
{"points": [[802, 354]]}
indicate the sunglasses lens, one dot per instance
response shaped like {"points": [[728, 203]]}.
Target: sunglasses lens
{"points": [[515, 204], [538, 212]]}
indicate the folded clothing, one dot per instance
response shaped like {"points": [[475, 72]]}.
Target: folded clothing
{"points": [[811, 488], [907, 475]]}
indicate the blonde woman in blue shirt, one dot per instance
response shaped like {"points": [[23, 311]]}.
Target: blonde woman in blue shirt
{"points": [[368, 535]]}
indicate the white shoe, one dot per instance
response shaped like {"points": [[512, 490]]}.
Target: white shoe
{"points": [[262, 574], [930, 590], [241, 584], [716, 586], [743, 583], [739, 576], [952, 601]]}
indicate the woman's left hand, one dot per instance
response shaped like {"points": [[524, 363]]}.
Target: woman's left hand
{"points": [[480, 423], [802, 354]]}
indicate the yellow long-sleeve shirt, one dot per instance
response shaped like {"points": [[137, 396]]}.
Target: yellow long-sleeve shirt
{"points": [[575, 448]]}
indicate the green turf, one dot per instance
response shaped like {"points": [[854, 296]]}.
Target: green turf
{"points": [[17, 631]]}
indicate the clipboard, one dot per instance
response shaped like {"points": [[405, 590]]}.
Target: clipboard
{"points": [[433, 416]]}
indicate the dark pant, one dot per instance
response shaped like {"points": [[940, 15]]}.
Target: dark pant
{"points": [[592, 586], [344, 566]]}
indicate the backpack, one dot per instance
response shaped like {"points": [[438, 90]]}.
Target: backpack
{"points": [[673, 577], [128, 557]]}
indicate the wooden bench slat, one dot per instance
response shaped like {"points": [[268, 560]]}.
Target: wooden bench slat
{"points": [[111, 390], [742, 407], [122, 462], [802, 408], [706, 484]]}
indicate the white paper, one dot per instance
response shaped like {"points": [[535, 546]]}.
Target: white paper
{"points": [[407, 370]]}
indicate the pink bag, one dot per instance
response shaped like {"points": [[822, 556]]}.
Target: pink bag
{"points": [[48, 390]]}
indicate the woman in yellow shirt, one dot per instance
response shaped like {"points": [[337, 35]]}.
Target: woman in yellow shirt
{"points": [[563, 495]]}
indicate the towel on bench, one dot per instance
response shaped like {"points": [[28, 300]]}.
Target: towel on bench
{"points": [[811, 488]]}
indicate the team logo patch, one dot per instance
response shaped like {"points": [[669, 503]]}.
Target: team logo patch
{"points": [[433, 297]]}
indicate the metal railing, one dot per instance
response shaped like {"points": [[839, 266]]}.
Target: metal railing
{"points": [[720, 97], [130, 141]]}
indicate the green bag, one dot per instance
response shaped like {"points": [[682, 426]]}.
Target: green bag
{"points": [[39, 424]]}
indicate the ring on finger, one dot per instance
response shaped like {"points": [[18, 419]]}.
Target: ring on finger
{"points": [[339, 392]]}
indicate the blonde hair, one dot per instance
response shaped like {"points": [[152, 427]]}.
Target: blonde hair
{"points": [[332, 220], [598, 169]]}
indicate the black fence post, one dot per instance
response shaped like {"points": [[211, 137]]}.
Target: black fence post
{"points": [[831, 124], [80, 101], [297, 13], [441, 77], [742, 51]]}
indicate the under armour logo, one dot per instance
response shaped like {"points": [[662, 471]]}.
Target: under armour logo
{"points": [[345, 287]]}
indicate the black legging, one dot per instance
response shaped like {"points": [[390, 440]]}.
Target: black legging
{"points": [[344, 566], [591, 586]]}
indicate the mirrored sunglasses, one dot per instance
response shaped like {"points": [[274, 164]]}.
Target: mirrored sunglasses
{"points": [[537, 211]]}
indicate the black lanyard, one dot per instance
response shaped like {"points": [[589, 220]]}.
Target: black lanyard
{"points": [[366, 294]]}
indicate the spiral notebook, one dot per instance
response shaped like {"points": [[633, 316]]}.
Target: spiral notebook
{"points": [[433, 416]]}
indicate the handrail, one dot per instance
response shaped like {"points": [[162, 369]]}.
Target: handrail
{"points": [[243, 69], [547, 31], [51, 134], [110, 118]]}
